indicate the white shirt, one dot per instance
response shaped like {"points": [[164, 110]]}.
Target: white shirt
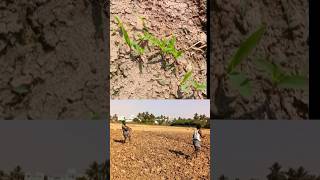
{"points": [[196, 135]]}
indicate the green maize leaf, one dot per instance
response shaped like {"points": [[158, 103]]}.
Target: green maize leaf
{"points": [[138, 49], [237, 79], [245, 88], [124, 32], [277, 75], [241, 82], [245, 48], [186, 78], [185, 87], [142, 37], [199, 86], [94, 116], [126, 37], [172, 42], [153, 40], [265, 66], [118, 20], [22, 89], [177, 54], [293, 82]]}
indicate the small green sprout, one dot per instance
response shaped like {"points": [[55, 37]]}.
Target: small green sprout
{"points": [[131, 43], [22, 89], [167, 46], [188, 82], [245, 49], [276, 75], [94, 116], [279, 78], [239, 80]]}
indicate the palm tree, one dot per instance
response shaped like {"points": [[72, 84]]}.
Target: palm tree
{"points": [[103, 170], [93, 171], [298, 174], [17, 174], [276, 173], [223, 177], [2, 174]]}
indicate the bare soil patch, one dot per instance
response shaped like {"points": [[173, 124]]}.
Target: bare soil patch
{"points": [[186, 19], [52, 60]]}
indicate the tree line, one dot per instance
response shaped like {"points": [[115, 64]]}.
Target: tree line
{"points": [[149, 118], [95, 171], [277, 173]]}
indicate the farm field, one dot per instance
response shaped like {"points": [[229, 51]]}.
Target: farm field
{"points": [[158, 152]]}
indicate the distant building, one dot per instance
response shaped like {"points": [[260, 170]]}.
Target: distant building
{"points": [[127, 119]]}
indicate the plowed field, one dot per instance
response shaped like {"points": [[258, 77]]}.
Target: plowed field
{"points": [[158, 152]]}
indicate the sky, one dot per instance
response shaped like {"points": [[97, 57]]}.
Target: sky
{"points": [[51, 147], [171, 108], [246, 149]]}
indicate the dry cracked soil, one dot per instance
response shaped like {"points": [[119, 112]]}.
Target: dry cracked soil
{"points": [[186, 19], [285, 42], [52, 60], [158, 152]]}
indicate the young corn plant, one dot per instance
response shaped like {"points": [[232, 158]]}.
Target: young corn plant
{"points": [[166, 46], [279, 79], [130, 42], [94, 116], [188, 83], [239, 80], [139, 50]]}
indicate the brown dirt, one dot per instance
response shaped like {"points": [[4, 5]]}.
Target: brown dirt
{"points": [[158, 151], [52, 60], [285, 42], [186, 19]]}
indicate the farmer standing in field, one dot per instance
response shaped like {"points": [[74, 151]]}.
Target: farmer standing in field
{"points": [[197, 135], [126, 131]]}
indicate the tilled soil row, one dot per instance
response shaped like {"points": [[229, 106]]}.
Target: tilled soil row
{"points": [[154, 155]]}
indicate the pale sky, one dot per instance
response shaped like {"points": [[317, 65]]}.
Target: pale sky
{"points": [[171, 108]]}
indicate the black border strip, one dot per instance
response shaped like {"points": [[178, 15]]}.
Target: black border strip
{"points": [[314, 72], [106, 32], [208, 46]]}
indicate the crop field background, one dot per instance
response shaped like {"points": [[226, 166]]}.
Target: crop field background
{"points": [[148, 79], [285, 42], [158, 151]]}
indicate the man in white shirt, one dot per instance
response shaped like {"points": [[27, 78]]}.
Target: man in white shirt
{"points": [[197, 135]]}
